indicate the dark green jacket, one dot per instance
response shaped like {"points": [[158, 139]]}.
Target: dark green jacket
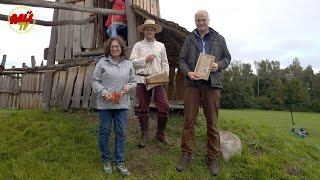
{"points": [[190, 52]]}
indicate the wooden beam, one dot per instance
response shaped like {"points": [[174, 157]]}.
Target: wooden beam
{"points": [[56, 23], [90, 53], [57, 5], [50, 68]]}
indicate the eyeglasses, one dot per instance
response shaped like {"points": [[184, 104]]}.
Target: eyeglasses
{"points": [[115, 47]]}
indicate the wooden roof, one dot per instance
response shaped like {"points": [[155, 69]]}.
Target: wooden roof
{"points": [[172, 34]]}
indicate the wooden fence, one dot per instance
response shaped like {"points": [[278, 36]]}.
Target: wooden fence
{"points": [[21, 91], [72, 88]]}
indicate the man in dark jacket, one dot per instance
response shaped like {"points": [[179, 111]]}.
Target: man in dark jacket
{"points": [[202, 40]]}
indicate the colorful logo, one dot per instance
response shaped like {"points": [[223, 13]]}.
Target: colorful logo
{"points": [[21, 19]]}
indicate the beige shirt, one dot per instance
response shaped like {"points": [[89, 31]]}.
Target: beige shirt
{"points": [[140, 51]]}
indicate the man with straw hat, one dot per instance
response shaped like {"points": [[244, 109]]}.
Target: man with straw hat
{"points": [[149, 58]]}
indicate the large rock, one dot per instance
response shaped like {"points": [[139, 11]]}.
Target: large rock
{"points": [[230, 144]]}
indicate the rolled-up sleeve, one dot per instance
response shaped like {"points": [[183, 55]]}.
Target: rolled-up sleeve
{"points": [[138, 62], [164, 60], [96, 84]]}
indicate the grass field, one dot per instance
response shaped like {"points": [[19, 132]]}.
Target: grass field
{"points": [[55, 145]]}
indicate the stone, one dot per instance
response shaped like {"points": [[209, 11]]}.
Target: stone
{"points": [[230, 144]]}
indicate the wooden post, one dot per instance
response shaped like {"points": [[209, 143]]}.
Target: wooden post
{"points": [[51, 59], [132, 31], [4, 59], [3, 62], [33, 61], [131, 22]]}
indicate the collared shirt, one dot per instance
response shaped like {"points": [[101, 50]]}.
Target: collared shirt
{"points": [[141, 50], [109, 77], [204, 43]]}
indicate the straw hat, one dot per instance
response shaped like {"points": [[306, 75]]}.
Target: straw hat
{"points": [[149, 23]]}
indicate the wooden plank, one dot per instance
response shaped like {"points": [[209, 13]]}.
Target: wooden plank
{"points": [[53, 23], [87, 85], [158, 8], [4, 95], [60, 48], [148, 7], [9, 103], [59, 5], [143, 4], [7, 95], [12, 88], [152, 7], [77, 31], [72, 73], [35, 95], [77, 90], [54, 87], [16, 89], [87, 30], [21, 96], [48, 77], [60, 88], [69, 37], [29, 88]]}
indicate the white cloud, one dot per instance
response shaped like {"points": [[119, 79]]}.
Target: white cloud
{"points": [[254, 29]]}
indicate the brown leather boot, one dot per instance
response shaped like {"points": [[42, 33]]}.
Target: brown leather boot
{"points": [[143, 140], [163, 139], [184, 160], [161, 136], [213, 166], [144, 126]]}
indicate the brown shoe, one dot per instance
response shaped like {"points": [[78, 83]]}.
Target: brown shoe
{"points": [[143, 141], [184, 160], [163, 139], [213, 166]]}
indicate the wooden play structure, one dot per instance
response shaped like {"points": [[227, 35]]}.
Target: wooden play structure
{"points": [[76, 41]]}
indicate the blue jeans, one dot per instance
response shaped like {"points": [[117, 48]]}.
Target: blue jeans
{"points": [[119, 118], [112, 30]]}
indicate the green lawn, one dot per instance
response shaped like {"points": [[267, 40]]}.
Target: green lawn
{"points": [[55, 145]]}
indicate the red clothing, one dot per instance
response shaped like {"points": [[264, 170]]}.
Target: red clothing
{"points": [[118, 5]]}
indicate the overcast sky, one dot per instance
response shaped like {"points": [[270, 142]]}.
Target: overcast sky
{"points": [[254, 29]]}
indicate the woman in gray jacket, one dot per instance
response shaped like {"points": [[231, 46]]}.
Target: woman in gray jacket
{"points": [[112, 79]]}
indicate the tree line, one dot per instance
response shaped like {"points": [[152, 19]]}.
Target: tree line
{"points": [[271, 88]]}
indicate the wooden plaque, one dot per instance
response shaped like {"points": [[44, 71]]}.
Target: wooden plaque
{"points": [[203, 65]]}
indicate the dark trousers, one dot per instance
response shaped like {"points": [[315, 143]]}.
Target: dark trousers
{"points": [[161, 102], [210, 100]]}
